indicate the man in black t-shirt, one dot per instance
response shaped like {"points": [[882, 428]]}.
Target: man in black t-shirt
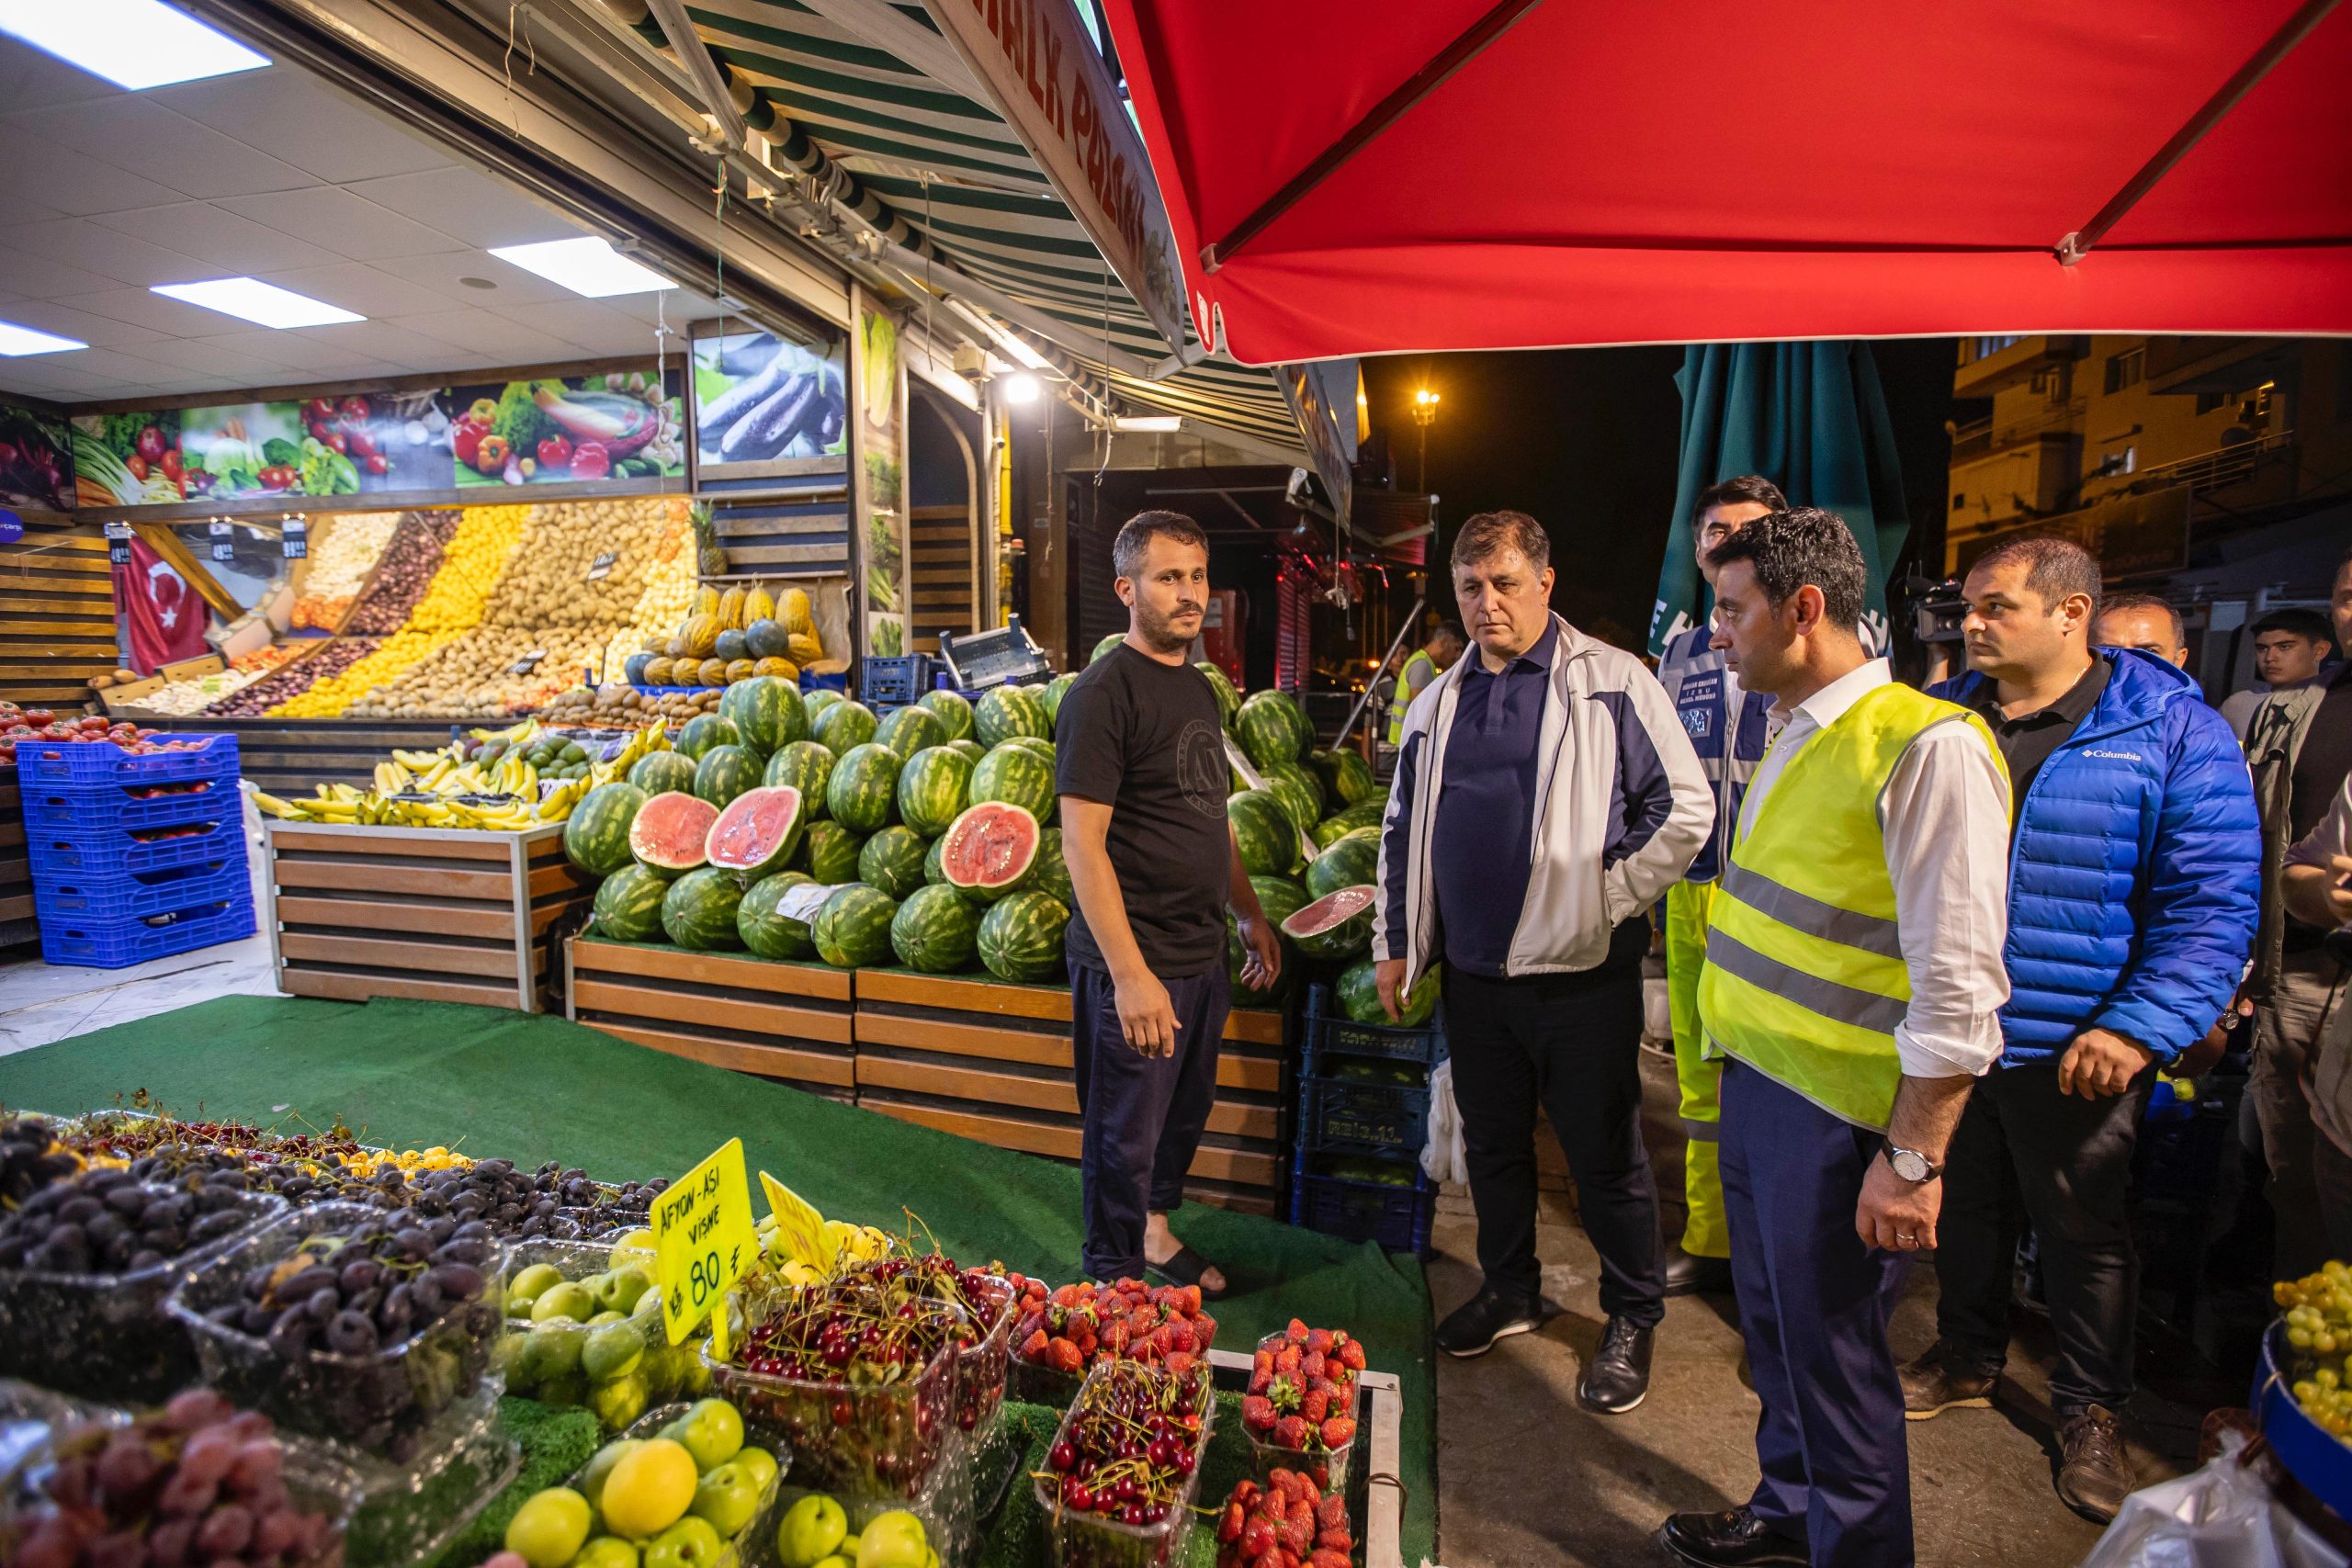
{"points": [[1141, 773]]}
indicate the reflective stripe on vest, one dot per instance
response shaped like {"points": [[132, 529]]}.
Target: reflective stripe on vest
{"points": [[1402, 698], [1804, 978]]}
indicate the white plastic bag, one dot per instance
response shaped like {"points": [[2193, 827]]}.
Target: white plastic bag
{"points": [[2219, 1516], [1444, 1157]]}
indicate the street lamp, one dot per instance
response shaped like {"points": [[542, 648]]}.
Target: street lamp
{"points": [[1424, 415]]}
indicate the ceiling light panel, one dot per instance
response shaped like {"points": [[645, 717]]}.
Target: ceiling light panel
{"points": [[135, 44], [253, 301]]}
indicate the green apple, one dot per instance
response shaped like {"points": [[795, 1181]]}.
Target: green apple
{"points": [[613, 1351], [727, 1497], [566, 1393], [689, 1544], [759, 1463], [592, 1478], [533, 1282], [602, 1318], [711, 1430], [813, 1530], [568, 1299], [895, 1540], [606, 1551], [504, 1358], [616, 1404], [547, 1531], [550, 1351], [848, 1548], [620, 1289], [836, 1561]]}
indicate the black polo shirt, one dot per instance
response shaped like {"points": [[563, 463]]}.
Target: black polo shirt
{"points": [[2027, 740]]}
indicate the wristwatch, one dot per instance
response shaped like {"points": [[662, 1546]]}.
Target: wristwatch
{"points": [[1911, 1165]]}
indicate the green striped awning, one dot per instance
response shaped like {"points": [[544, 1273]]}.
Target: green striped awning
{"points": [[946, 174]]}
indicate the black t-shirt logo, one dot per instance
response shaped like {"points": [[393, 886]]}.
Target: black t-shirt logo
{"points": [[1200, 768]]}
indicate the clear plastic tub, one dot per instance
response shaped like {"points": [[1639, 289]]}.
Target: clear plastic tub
{"points": [[982, 1369], [549, 1360], [1097, 1540], [409, 1512], [105, 1335], [753, 1546], [383, 1403], [1328, 1469]]}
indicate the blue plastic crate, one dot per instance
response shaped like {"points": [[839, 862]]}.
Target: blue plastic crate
{"points": [[1360, 1113], [103, 762], [91, 807], [118, 944], [896, 681], [56, 852], [1397, 1218], [118, 897], [1330, 1032]]}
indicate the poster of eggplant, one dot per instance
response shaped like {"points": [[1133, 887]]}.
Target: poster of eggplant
{"points": [[759, 397], [578, 429], [36, 459]]}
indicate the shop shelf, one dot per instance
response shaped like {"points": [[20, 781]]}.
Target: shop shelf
{"points": [[1328, 1469], [1329, 1032], [117, 944], [384, 1403], [86, 808], [1397, 1217], [121, 898], [103, 763], [1092, 1541], [107, 1335], [1352, 1112], [99, 850]]}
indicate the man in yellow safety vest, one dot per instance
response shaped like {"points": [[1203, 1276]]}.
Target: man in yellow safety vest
{"points": [[1853, 978], [1429, 661]]}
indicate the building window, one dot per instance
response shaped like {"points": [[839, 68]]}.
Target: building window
{"points": [[2208, 401], [2125, 370], [1959, 500], [1987, 348]]}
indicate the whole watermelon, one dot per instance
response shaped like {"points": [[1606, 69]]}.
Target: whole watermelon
{"points": [[1296, 804], [705, 731], [1004, 711], [969, 749], [843, 726], [1279, 896], [1306, 779], [1345, 863], [933, 788], [807, 767], [908, 730], [1340, 824], [1359, 998], [767, 710], [726, 772], [1347, 777], [1049, 873], [934, 866], [1053, 698], [699, 911], [1017, 776], [1030, 743], [1228, 700], [892, 860], [935, 930], [596, 837], [730, 645], [954, 713], [831, 852], [863, 791], [764, 931], [628, 906], [1271, 728], [852, 931], [633, 667], [1106, 645], [1262, 828], [817, 702], [1021, 937], [658, 772]]}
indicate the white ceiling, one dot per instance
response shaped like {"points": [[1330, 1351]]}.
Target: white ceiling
{"points": [[277, 175]]}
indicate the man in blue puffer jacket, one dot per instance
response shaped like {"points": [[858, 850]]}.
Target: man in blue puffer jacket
{"points": [[2134, 866]]}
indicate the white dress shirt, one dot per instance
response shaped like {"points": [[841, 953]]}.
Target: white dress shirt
{"points": [[1945, 820]]}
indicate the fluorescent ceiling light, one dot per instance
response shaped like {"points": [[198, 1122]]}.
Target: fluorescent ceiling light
{"points": [[131, 43], [254, 300], [1149, 424], [1021, 388], [586, 266], [16, 341]]}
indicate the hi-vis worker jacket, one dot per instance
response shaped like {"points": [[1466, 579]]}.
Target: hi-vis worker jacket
{"points": [[1621, 806]]}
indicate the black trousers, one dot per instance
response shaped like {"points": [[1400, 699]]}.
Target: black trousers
{"points": [[1567, 1044], [1143, 1115], [2022, 1150]]}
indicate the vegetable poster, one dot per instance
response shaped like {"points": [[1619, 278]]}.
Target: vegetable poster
{"points": [[882, 443], [581, 428], [760, 399], [36, 459]]}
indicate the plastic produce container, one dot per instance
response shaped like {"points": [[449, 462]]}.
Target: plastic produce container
{"points": [[107, 1335], [1328, 1469], [1095, 1540], [408, 1512], [755, 1542], [97, 763], [213, 832], [119, 897], [549, 1361], [87, 808], [1329, 1031], [382, 1403], [1342, 1113], [982, 1369]]}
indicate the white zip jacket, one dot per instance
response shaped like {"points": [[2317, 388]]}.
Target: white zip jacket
{"points": [[1622, 806]]}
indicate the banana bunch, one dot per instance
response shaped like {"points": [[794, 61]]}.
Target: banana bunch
{"points": [[464, 789]]}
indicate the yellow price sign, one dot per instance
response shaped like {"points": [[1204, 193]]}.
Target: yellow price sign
{"points": [[798, 1225], [703, 1242]]}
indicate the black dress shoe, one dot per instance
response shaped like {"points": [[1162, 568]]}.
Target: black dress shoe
{"points": [[1688, 1274], [1617, 1376], [1472, 1329], [1732, 1539]]}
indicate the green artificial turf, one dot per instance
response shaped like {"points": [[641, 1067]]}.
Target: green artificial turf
{"points": [[404, 1074]]}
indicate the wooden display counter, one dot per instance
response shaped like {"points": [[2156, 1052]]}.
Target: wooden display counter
{"points": [[17, 922], [784, 1020], [290, 756], [439, 914], [983, 1059]]}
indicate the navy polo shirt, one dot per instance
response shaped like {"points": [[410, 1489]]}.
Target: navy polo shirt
{"points": [[1483, 841]]}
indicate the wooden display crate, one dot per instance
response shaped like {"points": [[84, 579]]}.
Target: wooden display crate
{"points": [[983, 1059], [57, 626], [290, 756], [785, 1020], [440, 914], [17, 922]]}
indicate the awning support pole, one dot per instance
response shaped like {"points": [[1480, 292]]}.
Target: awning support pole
{"points": [[2296, 28], [695, 55], [1384, 114]]}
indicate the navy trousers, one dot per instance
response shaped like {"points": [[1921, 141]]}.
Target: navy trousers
{"points": [[1812, 1306], [1144, 1115]]}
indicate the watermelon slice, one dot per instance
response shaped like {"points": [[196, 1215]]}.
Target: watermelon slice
{"points": [[669, 833], [1337, 925], [990, 849], [757, 832]]}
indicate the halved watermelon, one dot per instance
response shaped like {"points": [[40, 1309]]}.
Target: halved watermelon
{"points": [[989, 851], [757, 832], [1337, 925], [670, 833]]}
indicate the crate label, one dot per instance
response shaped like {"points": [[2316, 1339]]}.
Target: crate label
{"points": [[602, 567], [529, 662], [703, 1242]]}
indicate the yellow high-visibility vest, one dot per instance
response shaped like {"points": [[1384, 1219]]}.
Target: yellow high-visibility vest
{"points": [[1804, 978], [1406, 691]]}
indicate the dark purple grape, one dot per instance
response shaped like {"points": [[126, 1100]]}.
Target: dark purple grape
{"points": [[290, 1335], [352, 1333], [360, 1277], [323, 1304], [81, 1209], [456, 1281]]}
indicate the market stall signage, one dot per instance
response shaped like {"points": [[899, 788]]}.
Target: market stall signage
{"points": [[224, 542], [119, 543], [602, 567], [295, 539], [703, 1242]]}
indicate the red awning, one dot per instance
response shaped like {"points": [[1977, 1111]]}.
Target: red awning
{"points": [[1716, 170]]}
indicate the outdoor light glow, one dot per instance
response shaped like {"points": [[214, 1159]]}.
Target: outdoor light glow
{"points": [[1021, 388], [16, 341], [131, 43], [586, 266], [1149, 424], [253, 301]]}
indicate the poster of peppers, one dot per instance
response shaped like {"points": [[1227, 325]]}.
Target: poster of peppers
{"points": [[621, 426]]}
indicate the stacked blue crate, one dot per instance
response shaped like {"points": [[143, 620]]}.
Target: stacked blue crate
{"points": [[135, 856], [1363, 1104]]}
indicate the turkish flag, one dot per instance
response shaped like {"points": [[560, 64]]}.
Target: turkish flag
{"points": [[165, 617]]}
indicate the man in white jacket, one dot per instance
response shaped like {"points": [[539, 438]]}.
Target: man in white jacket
{"points": [[1545, 796]]}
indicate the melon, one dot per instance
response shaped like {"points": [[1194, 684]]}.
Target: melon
{"points": [[1004, 711], [842, 725], [1337, 925], [1346, 863], [1262, 829], [933, 788], [853, 929], [1359, 998], [935, 930], [807, 767], [908, 730], [596, 837], [988, 849], [832, 852], [668, 834], [726, 772], [1228, 700], [628, 906], [707, 731], [659, 772], [756, 833], [1273, 728], [1106, 645], [954, 713], [892, 860], [699, 909], [1021, 938], [767, 932], [766, 711], [863, 794]]}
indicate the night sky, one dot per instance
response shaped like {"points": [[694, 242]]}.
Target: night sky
{"points": [[1584, 440]]}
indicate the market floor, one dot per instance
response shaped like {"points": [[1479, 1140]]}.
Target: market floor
{"points": [[1527, 1478]]}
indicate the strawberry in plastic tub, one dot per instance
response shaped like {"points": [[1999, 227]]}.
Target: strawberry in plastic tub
{"points": [[1287, 1523], [1302, 1399], [1060, 1333]]}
